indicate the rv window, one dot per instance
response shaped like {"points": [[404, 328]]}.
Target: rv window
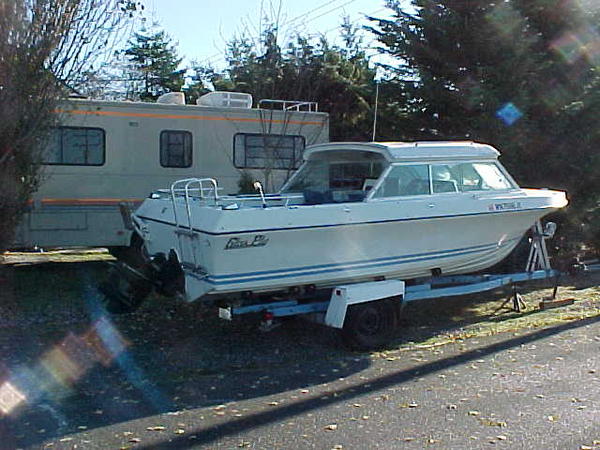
{"points": [[175, 148], [75, 146], [261, 151]]}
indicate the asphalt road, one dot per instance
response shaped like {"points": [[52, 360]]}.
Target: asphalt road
{"points": [[534, 390]]}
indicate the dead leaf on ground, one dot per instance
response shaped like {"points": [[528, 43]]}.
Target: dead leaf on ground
{"points": [[493, 423]]}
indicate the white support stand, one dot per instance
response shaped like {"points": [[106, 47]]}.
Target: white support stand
{"points": [[538, 259], [538, 254]]}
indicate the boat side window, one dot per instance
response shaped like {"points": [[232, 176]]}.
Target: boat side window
{"points": [[75, 146], [465, 177], [443, 178], [262, 151], [405, 180], [175, 148], [491, 176]]}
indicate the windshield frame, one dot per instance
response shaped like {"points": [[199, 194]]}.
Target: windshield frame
{"points": [[339, 157]]}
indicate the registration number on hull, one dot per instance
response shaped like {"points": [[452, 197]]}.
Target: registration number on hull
{"points": [[506, 206]]}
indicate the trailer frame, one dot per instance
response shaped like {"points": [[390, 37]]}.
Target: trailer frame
{"points": [[392, 295]]}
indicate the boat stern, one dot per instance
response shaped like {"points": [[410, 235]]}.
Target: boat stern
{"points": [[196, 286]]}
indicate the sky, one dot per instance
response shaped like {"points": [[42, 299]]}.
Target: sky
{"points": [[203, 27]]}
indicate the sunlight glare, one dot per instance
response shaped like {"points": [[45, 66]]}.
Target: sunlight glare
{"points": [[10, 398]]}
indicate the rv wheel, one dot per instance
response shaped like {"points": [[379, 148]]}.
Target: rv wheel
{"points": [[370, 325]]}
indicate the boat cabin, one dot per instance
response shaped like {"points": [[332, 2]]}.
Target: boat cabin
{"points": [[354, 172]]}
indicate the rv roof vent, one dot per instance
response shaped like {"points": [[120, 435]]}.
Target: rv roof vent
{"points": [[172, 98], [226, 100]]}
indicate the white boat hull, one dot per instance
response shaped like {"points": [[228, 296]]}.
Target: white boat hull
{"points": [[325, 245]]}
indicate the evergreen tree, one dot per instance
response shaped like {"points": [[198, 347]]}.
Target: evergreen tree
{"points": [[339, 78], [155, 64], [520, 74]]}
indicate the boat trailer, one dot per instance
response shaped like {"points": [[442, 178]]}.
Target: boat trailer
{"points": [[367, 313]]}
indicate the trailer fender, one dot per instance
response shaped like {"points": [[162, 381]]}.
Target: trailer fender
{"points": [[352, 294]]}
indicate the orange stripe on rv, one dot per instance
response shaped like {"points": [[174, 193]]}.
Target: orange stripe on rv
{"points": [[88, 201], [183, 116]]}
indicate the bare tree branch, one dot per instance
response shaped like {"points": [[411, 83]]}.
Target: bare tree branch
{"points": [[44, 47]]}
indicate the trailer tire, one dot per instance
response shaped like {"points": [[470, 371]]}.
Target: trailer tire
{"points": [[369, 326]]}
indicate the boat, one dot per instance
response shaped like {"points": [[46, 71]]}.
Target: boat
{"points": [[353, 212]]}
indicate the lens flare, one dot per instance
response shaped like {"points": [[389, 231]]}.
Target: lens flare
{"points": [[506, 20], [104, 341], [62, 366], [509, 113], [575, 45], [10, 398]]}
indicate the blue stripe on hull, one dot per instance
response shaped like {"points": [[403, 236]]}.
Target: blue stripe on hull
{"points": [[221, 280]]}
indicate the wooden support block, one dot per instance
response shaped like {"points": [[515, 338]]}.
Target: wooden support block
{"points": [[549, 304]]}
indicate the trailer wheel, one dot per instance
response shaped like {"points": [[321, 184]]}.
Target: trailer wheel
{"points": [[370, 325], [123, 293]]}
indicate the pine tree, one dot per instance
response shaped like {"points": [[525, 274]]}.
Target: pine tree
{"points": [[155, 65], [339, 78], [519, 74]]}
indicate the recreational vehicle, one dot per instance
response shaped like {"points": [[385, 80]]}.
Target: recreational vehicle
{"points": [[106, 157]]}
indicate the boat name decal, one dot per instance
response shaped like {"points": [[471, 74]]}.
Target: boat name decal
{"points": [[504, 206], [260, 240]]}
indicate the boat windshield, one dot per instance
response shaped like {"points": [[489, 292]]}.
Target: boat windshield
{"points": [[340, 176]]}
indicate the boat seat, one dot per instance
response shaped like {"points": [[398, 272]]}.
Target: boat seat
{"points": [[317, 197], [416, 187], [357, 196], [444, 186]]}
